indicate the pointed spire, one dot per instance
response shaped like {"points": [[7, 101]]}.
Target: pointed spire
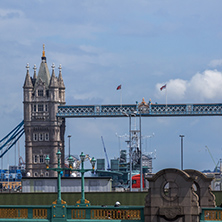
{"points": [[43, 73], [53, 81], [43, 53], [60, 69], [34, 76], [27, 67], [28, 81], [53, 68], [60, 79]]}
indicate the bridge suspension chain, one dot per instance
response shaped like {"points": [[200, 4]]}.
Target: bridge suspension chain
{"points": [[11, 138]]}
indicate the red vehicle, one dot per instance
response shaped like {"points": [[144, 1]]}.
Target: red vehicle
{"points": [[136, 181]]}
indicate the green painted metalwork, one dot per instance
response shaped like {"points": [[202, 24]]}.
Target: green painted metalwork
{"points": [[211, 214], [82, 201], [59, 171], [64, 213], [25, 213]]}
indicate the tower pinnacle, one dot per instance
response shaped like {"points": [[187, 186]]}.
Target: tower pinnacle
{"points": [[43, 53]]}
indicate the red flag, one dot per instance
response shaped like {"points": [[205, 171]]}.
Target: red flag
{"points": [[163, 87], [118, 87]]}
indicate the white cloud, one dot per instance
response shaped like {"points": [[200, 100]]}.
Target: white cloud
{"points": [[83, 61], [176, 89], [201, 87], [215, 63], [206, 86], [90, 49], [85, 96], [10, 13]]}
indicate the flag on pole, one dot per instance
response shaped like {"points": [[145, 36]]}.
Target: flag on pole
{"points": [[118, 87], [163, 87]]}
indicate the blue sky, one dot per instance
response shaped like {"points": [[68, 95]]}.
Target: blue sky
{"points": [[140, 44]]}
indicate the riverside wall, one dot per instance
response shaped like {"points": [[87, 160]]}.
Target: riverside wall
{"points": [[95, 198]]}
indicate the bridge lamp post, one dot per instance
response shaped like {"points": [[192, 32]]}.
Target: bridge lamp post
{"points": [[130, 152], [59, 170], [69, 143], [181, 136], [70, 162], [82, 201], [141, 158]]}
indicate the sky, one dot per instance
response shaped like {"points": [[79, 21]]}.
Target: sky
{"points": [[140, 44]]}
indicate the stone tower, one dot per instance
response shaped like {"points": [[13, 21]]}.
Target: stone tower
{"points": [[44, 132]]}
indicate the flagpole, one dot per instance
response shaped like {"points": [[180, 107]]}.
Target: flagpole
{"points": [[164, 87], [121, 99], [119, 87]]}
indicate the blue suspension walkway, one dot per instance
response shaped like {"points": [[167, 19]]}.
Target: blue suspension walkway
{"points": [[126, 110], [148, 110]]}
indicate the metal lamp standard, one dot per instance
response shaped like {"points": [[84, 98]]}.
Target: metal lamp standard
{"points": [[141, 158], [130, 152], [181, 136], [82, 201], [59, 170]]}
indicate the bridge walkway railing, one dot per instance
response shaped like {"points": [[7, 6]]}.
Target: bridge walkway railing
{"points": [[64, 213], [211, 214]]}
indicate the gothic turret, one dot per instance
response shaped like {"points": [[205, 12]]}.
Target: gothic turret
{"points": [[53, 81], [61, 86], [28, 81], [60, 79], [27, 94], [34, 76]]}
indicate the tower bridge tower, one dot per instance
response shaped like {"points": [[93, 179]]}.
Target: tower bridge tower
{"points": [[44, 132]]}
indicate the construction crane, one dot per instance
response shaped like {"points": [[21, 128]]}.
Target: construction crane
{"points": [[107, 159], [216, 164]]}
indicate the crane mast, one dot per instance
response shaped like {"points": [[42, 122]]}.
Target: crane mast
{"points": [[107, 159]]}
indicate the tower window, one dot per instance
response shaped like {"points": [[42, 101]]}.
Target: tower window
{"points": [[40, 107], [40, 136], [40, 92], [46, 136], [35, 136], [34, 108], [46, 107], [36, 159], [41, 159]]}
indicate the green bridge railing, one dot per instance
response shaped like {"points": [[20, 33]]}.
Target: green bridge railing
{"points": [[64, 213], [211, 214]]}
